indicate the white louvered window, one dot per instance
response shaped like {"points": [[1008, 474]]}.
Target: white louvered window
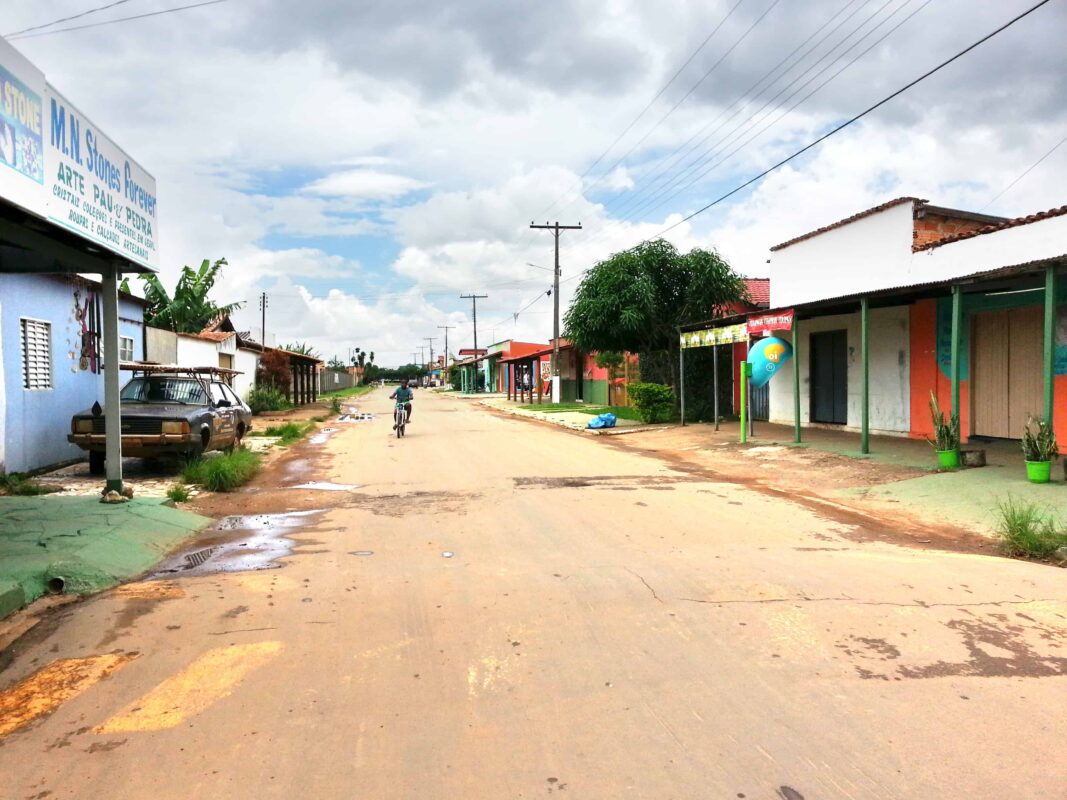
{"points": [[36, 354], [125, 348]]}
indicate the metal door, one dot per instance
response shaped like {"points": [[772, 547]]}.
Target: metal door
{"points": [[760, 403], [829, 377]]}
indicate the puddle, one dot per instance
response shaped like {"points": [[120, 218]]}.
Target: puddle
{"points": [[356, 416], [326, 486], [361, 553], [240, 544], [322, 435], [447, 554]]}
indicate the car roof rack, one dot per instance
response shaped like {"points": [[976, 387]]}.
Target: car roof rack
{"points": [[140, 366]]}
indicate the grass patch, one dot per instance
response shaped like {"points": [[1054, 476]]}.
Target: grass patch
{"points": [[355, 391], [622, 412], [289, 432], [1026, 529], [223, 473], [335, 405], [16, 484], [178, 493], [319, 418]]}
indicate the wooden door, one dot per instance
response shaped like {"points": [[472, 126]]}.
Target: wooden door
{"points": [[1006, 379], [829, 377], [989, 374], [1025, 382]]}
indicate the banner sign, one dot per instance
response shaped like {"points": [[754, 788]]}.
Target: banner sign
{"points": [[780, 321], [54, 162], [728, 334], [767, 356]]}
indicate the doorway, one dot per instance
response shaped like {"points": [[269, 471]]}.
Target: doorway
{"points": [[1006, 354], [829, 377]]}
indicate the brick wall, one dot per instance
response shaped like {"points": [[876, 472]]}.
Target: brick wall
{"points": [[933, 227]]}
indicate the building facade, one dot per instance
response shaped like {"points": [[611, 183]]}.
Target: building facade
{"points": [[51, 364]]}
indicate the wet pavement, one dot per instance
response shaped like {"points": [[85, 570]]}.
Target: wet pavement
{"points": [[498, 609]]}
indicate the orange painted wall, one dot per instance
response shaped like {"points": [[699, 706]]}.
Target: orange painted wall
{"points": [[926, 376]]}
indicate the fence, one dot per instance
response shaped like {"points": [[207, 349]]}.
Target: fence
{"points": [[334, 379]]}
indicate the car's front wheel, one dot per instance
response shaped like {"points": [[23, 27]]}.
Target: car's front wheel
{"points": [[97, 465]]}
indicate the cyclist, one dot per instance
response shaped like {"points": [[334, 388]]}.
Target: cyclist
{"points": [[403, 395]]}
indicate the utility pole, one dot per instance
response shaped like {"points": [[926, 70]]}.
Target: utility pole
{"points": [[263, 300], [556, 228], [444, 371], [430, 368], [474, 298]]}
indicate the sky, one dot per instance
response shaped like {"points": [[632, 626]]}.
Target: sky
{"points": [[365, 164]]}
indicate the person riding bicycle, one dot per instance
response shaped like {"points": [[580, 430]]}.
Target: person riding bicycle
{"points": [[403, 395]]}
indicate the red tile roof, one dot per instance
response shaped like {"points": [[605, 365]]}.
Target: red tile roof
{"points": [[1009, 223], [759, 291], [848, 220]]}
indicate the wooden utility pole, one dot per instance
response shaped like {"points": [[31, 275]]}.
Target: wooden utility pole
{"points": [[556, 228], [429, 368], [263, 318], [444, 369], [474, 298]]}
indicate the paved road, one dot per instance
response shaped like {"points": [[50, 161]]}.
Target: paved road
{"points": [[606, 627]]}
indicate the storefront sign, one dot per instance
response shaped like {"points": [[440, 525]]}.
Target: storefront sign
{"points": [[764, 323], [54, 162], [728, 334], [767, 356]]}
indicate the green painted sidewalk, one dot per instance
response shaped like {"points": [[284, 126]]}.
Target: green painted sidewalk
{"points": [[82, 545]]}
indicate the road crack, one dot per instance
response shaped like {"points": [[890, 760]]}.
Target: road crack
{"points": [[646, 583]]}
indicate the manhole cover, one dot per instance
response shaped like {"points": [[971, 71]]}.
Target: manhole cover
{"points": [[199, 557]]}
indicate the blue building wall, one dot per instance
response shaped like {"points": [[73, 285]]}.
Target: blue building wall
{"points": [[36, 422]]}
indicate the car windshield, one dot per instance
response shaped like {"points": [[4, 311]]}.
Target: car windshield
{"points": [[163, 389]]}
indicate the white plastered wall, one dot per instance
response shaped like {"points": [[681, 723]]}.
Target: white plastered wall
{"points": [[890, 371], [246, 362]]}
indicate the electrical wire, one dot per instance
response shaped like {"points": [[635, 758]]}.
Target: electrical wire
{"points": [[67, 19], [14, 37], [1025, 172]]}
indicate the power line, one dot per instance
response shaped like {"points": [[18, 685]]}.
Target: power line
{"points": [[838, 129], [1026, 172], [857, 117], [13, 37], [67, 19]]}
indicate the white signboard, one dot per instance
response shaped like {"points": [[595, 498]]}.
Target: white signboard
{"points": [[65, 169]]}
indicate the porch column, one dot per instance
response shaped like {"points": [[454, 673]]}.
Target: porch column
{"points": [[865, 398], [1049, 363], [681, 381], [112, 407], [715, 381], [537, 379], [954, 371], [796, 377]]}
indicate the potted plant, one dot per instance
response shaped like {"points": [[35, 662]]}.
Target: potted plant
{"points": [[1039, 450], [946, 439]]}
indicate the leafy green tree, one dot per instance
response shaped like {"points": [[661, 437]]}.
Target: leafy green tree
{"points": [[189, 310], [335, 363], [635, 300]]}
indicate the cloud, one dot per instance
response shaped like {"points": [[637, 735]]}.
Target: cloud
{"points": [[364, 184]]}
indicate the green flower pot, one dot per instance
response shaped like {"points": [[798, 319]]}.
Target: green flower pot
{"points": [[948, 459], [1038, 471]]}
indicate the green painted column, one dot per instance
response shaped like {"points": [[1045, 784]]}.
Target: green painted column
{"points": [[796, 377], [1049, 362], [865, 397], [957, 346], [745, 369]]}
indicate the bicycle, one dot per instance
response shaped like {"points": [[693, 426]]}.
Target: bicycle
{"points": [[400, 417]]}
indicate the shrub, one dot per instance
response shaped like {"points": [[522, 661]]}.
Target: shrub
{"points": [[1039, 445], [946, 434], [274, 370], [178, 493], [654, 401], [223, 473], [335, 405], [266, 398], [1027, 529]]}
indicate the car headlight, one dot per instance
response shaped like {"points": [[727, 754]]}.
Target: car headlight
{"points": [[175, 426], [83, 426]]}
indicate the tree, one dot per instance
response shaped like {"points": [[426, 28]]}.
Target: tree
{"points": [[635, 300], [190, 310], [335, 363], [274, 370]]}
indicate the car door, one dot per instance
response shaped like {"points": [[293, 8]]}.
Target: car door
{"points": [[224, 416], [241, 413]]}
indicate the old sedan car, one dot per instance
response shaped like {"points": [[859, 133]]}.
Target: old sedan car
{"points": [[168, 410]]}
